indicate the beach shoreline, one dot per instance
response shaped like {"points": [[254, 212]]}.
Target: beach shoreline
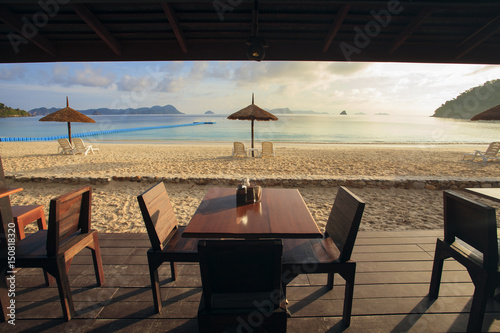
{"points": [[373, 172]]}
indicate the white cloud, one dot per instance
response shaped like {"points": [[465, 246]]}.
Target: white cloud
{"points": [[347, 68], [130, 83], [226, 86], [93, 78], [12, 72], [150, 83], [88, 76]]}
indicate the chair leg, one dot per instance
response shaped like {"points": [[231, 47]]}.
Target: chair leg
{"points": [[437, 269], [4, 295], [42, 223], [173, 270], [283, 290], [329, 284], [155, 283], [349, 275], [49, 279], [59, 272], [96, 256], [479, 300]]}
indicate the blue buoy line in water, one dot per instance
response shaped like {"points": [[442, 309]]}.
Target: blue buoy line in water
{"points": [[81, 135]]}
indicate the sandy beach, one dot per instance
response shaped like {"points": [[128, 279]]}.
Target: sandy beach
{"points": [[130, 169]]}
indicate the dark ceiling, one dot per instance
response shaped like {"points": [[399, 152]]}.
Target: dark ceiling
{"points": [[385, 31]]}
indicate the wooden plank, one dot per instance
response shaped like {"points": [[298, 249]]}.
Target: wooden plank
{"points": [[397, 323], [392, 277], [409, 266], [403, 256], [121, 243], [396, 240], [389, 296], [396, 248], [400, 234], [127, 236]]}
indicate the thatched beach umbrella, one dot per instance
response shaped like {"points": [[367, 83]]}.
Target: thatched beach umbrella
{"points": [[68, 115], [252, 112], [490, 114]]}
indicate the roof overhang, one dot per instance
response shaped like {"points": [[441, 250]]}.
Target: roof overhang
{"points": [[422, 31]]}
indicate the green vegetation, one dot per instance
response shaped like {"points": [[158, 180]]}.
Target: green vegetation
{"points": [[471, 102], [6, 111]]}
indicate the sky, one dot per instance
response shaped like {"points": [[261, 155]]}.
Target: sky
{"points": [[226, 87]]}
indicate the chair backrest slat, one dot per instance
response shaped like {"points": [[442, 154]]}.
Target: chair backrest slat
{"points": [[78, 143], [64, 143], [267, 147], [344, 220], [239, 147], [240, 266], [158, 215], [493, 149], [68, 214], [472, 222]]}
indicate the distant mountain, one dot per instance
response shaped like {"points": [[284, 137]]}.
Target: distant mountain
{"points": [[6, 111], [42, 111], [167, 109], [209, 112], [471, 102], [288, 111]]}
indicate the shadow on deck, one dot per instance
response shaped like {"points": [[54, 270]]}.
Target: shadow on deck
{"points": [[392, 281]]}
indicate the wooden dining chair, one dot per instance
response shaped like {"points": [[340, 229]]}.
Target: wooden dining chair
{"points": [[470, 237], [241, 281], [69, 232], [331, 254], [165, 234]]}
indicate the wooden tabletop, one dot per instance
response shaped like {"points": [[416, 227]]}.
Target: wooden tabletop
{"points": [[489, 193], [8, 191], [282, 213]]}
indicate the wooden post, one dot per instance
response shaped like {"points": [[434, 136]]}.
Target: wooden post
{"points": [[5, 219], [69, 132], [5, 209], [252, 138]]}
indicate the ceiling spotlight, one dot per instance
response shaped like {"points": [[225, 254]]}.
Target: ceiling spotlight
{"points": [[256, 48]]}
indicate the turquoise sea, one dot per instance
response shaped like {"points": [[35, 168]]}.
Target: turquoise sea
{"points": [[289, 128]]}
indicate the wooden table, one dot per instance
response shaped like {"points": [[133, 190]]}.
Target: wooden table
{"points": [[488, 193], [282, 213]]}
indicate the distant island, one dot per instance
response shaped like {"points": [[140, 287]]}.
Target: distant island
{"points": [[343, 113], [209, 112], [167, 109], [288, 111], [6, 111], [471, 102]]}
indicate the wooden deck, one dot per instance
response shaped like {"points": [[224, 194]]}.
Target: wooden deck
{"points": [[392, 281]]}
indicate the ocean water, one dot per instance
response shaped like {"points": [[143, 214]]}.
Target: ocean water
{"points": [[289, 128]]}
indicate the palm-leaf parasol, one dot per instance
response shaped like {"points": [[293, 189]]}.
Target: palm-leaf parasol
{"points": [[490, 114], [68, 115], [252, 112]]}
